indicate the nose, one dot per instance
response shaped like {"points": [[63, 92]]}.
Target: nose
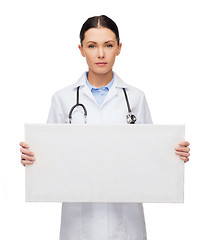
{"points": [[101, 52]]}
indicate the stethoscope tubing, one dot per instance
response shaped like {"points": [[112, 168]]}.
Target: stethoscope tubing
{"points": [[131, 119], [77, 105]]}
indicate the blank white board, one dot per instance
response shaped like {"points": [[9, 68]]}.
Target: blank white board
{"points": [[104, 163]]}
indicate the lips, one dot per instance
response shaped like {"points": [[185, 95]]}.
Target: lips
{"points": [[101, 64]]}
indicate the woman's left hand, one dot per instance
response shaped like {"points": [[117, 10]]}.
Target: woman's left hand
{"points": [[183, 151]]}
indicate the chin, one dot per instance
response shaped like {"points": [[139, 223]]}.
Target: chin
{"points": [[101, 71]]}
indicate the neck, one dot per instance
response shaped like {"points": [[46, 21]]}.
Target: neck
{"points": [[99, 80]]}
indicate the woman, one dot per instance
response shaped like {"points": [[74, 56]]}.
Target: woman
{"points": [[100, 90]]}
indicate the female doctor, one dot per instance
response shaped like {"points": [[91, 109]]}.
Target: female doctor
{"points": [[100, 97]]}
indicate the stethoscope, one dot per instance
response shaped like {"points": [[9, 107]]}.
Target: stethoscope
{"points": [[130, 118]]}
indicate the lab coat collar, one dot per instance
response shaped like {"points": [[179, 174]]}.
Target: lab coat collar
{"points": [[118, 82]]}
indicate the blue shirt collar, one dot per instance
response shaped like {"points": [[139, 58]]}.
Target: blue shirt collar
{"points": [[93, 87]]}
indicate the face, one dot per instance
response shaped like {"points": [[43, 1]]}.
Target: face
{"points": [[100, 49]]}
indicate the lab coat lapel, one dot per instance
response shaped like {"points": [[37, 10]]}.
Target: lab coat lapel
{"points": [[86, 91], [112, 93], [118, 83]]}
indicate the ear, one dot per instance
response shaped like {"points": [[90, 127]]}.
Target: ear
{"points": [[81, 50], [119, 49]]}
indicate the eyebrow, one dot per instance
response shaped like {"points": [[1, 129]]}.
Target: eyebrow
{"points": [[96, 42]]}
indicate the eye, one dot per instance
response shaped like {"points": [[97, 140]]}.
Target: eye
{"points": [[109, 45], [91, 46]]}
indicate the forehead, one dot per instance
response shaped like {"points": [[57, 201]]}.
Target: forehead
{"points": [[99, 35]]}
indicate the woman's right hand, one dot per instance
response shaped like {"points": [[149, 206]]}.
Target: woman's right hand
{"points": [[27, 156]]}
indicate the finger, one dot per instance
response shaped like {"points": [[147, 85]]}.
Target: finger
{"points": [[26, 157], [184, 144], [182, 149], [27, 152], [185, 159], [183, 154], [24, 145], [25, 162]]}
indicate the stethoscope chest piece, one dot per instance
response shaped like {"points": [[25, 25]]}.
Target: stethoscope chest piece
{"points": [[131, 119]]}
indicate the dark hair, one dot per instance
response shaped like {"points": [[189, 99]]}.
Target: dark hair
{"points": [[99, 21]]}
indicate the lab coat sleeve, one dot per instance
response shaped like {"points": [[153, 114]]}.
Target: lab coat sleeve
{"points": [[55, 112], [144, 116]]}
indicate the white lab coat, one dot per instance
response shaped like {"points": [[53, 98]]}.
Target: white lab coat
{"points": [[101, 221]]}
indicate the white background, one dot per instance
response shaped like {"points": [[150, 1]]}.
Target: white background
{"points": [[162, 54]]}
